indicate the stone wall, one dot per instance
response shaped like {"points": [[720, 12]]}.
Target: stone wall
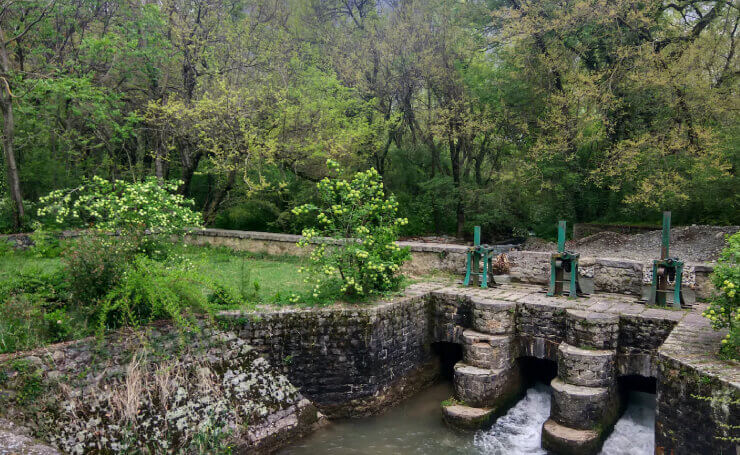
{"points": [[609, 275], [349, 362], [154, 389], [698, 402], [357, 360]]}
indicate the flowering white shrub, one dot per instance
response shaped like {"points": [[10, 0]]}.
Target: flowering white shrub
{"points": [[365, 258], [103, 205]]}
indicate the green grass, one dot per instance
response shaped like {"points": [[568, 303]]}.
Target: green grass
{"points": [[11, 265], [257, 278]]}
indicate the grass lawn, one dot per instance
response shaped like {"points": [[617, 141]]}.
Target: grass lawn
{"points": [[258, 278], [13, 264]]}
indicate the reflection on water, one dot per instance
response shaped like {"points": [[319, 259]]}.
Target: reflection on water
{"points": [[416, 427], [413, 427]]}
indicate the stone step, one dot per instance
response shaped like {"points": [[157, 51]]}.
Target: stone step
{"points": [[489, 351], [496, 317], [584, 408], [590, 329], [563, 440], [485, 387], [464, 417], [586, 367]]}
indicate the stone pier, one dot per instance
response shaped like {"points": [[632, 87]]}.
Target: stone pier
{"points": [[585, 400], [488, 379]]}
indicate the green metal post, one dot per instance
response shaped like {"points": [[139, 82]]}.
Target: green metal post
{"points": [[666, 241], [476, 236], [561, 236], [484, 277]]}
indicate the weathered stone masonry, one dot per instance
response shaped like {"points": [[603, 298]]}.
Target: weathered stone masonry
{"points": [[356, 361], [350, 362]]}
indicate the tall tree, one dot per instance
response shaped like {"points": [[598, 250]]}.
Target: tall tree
{"points": [[13, 27]]}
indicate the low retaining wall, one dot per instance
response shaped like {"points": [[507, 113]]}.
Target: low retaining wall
{"points": [[698, 403], [349, 362], [609, 275]]}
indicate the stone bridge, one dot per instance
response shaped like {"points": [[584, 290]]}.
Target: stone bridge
{"points": [[357, 360]]}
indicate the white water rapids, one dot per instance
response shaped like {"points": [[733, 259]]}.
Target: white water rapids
{"points": [[518, 432]]}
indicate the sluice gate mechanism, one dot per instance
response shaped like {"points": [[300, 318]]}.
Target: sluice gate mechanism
{"points": [[561, 263], [666, 271], [479, 264]]}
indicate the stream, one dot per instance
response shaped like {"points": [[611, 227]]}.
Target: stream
{"points": [[415, 427]]}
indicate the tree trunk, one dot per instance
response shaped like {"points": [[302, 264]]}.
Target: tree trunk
{"points": [[459, 209], [210, 210], [6, 105]]}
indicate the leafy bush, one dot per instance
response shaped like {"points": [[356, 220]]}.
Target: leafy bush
{"points": [[355, 209], [45, 244], [59, 325], [94, 264], [21, 324], [149, 290], [120, 206], [724, 309]]}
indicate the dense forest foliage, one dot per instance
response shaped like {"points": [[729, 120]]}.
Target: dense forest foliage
{"points": [[504, 113]]}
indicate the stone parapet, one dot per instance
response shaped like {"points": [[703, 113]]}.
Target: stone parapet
{"points": [[698, 402]]}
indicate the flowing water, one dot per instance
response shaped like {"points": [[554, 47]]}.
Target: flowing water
{"points": [[416, 427]]}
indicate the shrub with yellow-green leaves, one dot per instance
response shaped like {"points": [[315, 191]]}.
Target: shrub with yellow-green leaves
{"points": [[724, 309], [110, 206], [363, 258]]}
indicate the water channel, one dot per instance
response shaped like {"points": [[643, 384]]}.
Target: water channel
{"points": [[416, 427]]}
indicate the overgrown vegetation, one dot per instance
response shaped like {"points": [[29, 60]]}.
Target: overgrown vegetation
{"points": [[724, 308], [499, 113], [42, 302]]}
